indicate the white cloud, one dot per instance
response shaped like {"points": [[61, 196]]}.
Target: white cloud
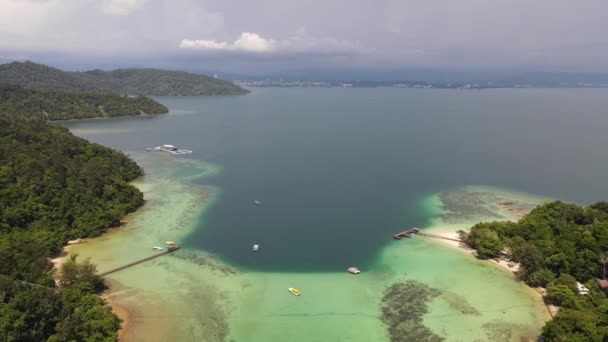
{"points": [[299, 42], [247, 41], [121, 7]]}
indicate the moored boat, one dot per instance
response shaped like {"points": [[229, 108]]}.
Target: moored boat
{"points": [[169, 148], [353, 270], [256, 247], [294, 291]]}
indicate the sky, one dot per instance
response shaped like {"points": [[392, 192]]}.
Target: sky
{"points": [[282, 36]]}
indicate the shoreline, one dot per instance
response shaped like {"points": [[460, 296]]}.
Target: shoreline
{"points": [[501, 263], [120, 310]]}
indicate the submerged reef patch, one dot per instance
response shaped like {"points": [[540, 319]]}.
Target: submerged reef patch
{"points": [[474, 204], [206, 261], [504, 331], [459, 303], [401, 309]]}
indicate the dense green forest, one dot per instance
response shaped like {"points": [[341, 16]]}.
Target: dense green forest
{"points": [[64, 106], [55, 187], [121, 81], [557, 244]]}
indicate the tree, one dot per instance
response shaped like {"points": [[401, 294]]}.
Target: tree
{"points": [[572, 325], [561, 295], [83, 275], [485, 241]]}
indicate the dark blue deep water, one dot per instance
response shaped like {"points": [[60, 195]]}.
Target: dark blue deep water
{"points": [[340, 170]]}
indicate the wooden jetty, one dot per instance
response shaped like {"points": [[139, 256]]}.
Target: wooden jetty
{"points": [[416, 231], [406, 233], [170, 249], [439, 236]]}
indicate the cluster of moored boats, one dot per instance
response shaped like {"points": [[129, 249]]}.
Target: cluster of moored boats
{"points": [[297, 292], [170, 246]]}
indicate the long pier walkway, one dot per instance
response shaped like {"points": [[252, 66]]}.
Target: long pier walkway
{"points": [[438, 236], [169, 250], [416, 231]]}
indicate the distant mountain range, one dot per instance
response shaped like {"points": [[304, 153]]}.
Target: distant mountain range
{"points": [[132, 81]]}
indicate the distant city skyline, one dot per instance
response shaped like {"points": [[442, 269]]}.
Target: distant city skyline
{"points": [[286, 37]]}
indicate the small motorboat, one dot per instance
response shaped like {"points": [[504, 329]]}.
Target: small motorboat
{"points": [[157, 248], [294, 291], [353, 270], [257, 202], [170, 243], [256, 247]]}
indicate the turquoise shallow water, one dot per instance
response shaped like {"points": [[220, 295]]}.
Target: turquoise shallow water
{"points": [[339, 171]]}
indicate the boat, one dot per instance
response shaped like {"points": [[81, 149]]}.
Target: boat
{"points": [[256, 247], [157, 248], [257, 202], [169, 148], [353, 270], [170, 243], [294, 291]]}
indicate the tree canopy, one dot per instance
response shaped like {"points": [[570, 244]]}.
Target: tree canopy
{"points": [[55, 187], [132, 81], [557, 244], [16, 101]]}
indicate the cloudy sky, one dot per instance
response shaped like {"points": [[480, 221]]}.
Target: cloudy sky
{"points": [[267, 35]]}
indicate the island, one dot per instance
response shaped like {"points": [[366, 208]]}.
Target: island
{"points": [[133, 81], [54, 105], [560, 248], [55, 187]]}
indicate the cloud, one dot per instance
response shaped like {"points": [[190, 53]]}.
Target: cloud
{"points": [[121, 7], [247, 41], [300, 42]]}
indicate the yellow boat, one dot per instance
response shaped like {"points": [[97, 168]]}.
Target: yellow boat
{"points": [[170, 243], [294, 291]]}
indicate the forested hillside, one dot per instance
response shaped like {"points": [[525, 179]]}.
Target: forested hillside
{"points": [[557, 244], [132, 81], [64, 106], [55, 187]]}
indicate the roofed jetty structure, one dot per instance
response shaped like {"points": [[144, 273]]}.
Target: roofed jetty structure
{"points": [[406, 233]]}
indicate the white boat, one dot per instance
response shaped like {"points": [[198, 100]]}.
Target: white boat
{"points": [[294, 291], [353, 270], [169, 148], [257, 202], [157, 248], [256, 247]]}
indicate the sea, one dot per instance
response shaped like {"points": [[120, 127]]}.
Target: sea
{"points": [[336, 173]]}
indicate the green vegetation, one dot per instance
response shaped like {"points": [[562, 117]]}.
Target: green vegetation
{"points": [[556, 245], [122, 81], [15, 100], [55, 187], [72, 312]]}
